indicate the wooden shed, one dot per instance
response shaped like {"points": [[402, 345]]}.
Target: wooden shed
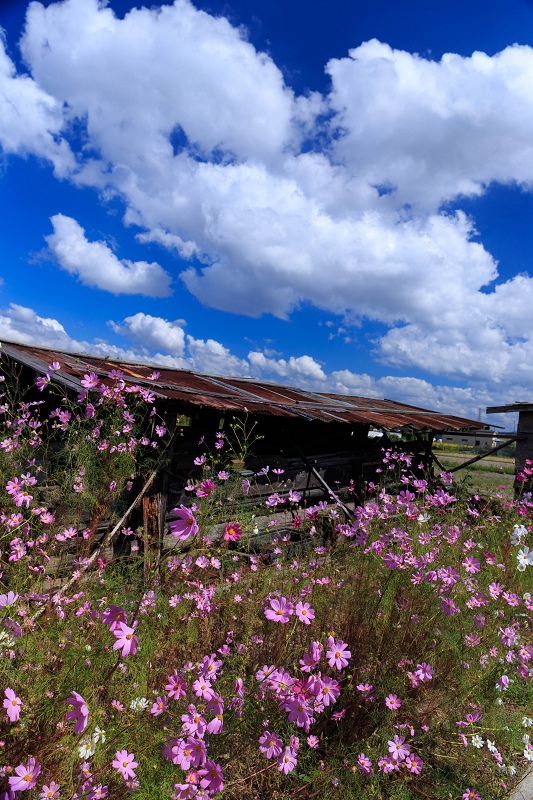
{"points": [[320, 440]]}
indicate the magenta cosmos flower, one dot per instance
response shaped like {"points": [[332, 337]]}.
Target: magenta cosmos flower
{"points": [[338, 653], [270, 744], [12, 705], [80, 712], [185, 525], [211, 777], [113, 616], [26, 777], [233, 532], [126, 639], [125, 764], [280, 610], [205, 488]]}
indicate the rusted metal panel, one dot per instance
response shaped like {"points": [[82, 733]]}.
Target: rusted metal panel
{"points": [[237, 394]]}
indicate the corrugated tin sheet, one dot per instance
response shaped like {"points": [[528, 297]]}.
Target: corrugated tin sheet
{"points": [[237, 394]]}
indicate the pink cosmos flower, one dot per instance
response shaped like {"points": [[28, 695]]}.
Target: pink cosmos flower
{"points": [[471, 795], [42, 382], [26, 776], [216, 724], [176, 686], [328, 692], [424, 671], [304, 612], [202, 688], [503, 682], [365, 764], [312, 741], [210, 666], [393, 702], [186, 524], [98, 792], [193, 722], [398, 749], [414, 764], [287, 761], [471, 564], [13, 627], [299, 711], [160, 705], [338, 654], [12, 705], [280, 610], [205, 488], [126, 639], [8, 599], [50, 792], [307, 663], [233, 532], [270, 744], [125, 764], [448, 607], [80, 712], [211, 777], [89, 381]]}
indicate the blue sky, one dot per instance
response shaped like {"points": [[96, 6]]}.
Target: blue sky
{"points": [[336, 195]]}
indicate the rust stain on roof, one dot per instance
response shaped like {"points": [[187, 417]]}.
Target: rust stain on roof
{"points": [[236, 394]]}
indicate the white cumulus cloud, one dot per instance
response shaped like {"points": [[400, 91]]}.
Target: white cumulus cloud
{"points": [[96, 265]]}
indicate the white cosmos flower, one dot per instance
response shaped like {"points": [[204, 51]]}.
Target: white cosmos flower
{"points": [[518, 534], [98, 735], [139, 704], [528, 752], [86, 748]]}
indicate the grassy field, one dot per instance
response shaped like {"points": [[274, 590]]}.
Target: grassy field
{"points": [[494, 476]]}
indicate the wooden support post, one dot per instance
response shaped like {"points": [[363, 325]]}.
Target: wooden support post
{"points": [[155, 504], [524, 443]]}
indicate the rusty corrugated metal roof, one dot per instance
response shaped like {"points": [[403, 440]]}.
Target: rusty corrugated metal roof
{"points": [[236, 394]]}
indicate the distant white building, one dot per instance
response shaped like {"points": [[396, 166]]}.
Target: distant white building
{"points": [[481, 438]]}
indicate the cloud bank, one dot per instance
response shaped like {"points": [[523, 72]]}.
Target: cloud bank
{"points": [[333, 200]]}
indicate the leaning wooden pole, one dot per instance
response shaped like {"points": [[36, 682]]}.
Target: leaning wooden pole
{"points": [[107, 540]]}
